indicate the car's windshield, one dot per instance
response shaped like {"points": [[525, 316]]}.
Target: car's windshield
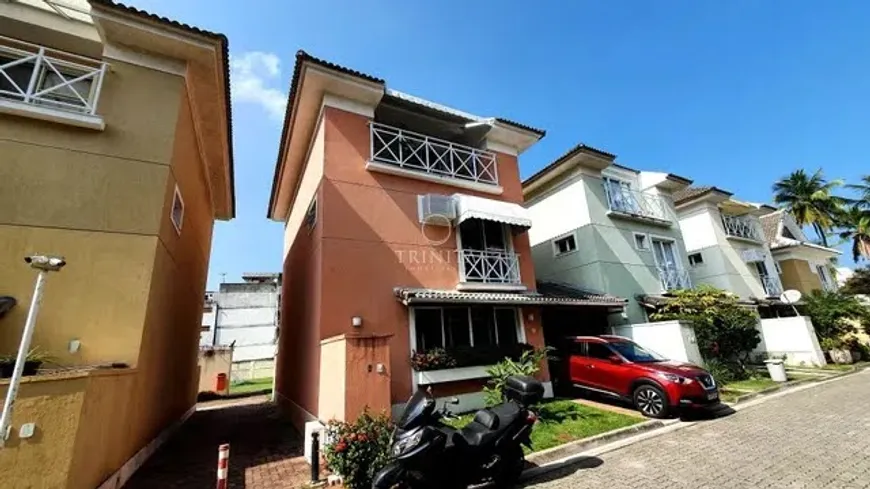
{"points": [[635, 353]]}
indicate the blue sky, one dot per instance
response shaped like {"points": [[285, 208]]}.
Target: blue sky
{"points": [[733, 94]]}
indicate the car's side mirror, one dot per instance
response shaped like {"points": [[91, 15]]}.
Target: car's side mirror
{"points": [[615, 359]]}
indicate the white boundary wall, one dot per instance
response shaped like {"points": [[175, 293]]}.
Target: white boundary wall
{"points": [[674, 340], [794, 337]]}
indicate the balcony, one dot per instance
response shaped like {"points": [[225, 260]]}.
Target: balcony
{"points": [[741, 227], [632, 204], [51, 85], [415, 155], [673, 278], [772, 287], [498, 268]]}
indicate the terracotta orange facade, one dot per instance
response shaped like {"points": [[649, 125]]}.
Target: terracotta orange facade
{"points": [[353, 236]]}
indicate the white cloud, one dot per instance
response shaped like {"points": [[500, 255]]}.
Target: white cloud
{"points": [[843, 274], [250, 74]]}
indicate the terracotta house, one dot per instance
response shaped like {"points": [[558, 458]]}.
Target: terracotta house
{"points": [[801, 264], [116, 153], [404, 233]]}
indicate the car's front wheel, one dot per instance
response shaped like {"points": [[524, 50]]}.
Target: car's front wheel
{"points": [[651, 401]]}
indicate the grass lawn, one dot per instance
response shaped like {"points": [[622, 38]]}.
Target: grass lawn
{"points": [[754, 384], [562, 421], [251, 385]]}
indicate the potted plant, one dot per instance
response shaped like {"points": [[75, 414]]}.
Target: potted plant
{"points": [[7, 365], [34, 359], [837, 351]]}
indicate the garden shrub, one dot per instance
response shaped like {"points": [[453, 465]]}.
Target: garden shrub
{"points": [[358, 450], [529, 363], [831, 312], [725, 329]]}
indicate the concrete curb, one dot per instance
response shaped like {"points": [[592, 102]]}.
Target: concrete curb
{"points": [[666, 427], [545, 456]]}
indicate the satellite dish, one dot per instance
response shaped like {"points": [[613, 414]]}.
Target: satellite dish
{"points": [[790, 296]]}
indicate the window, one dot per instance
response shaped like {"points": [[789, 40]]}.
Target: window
{"points": [[205, 328], [430, 333], [786, 233], [311, 215], [761, 268], [456, 330], [823, 275], [53, 80], [448, 327], [665, 255], [564, 245], [641, 241], [778, 267], [696, 259], [598, 350], [479, 234], [177, 215]]}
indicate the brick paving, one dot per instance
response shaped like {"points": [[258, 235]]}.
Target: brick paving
{"points": [[814, 439], [265, 451]]}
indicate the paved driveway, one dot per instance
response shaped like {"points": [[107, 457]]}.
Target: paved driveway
{"points": [[814, 439], [265, 451]]}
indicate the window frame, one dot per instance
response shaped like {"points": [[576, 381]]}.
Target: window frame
{"points": [[310, 217], [518, 323], [700, 258], [176, 197], [647, 240], [555, 241]]}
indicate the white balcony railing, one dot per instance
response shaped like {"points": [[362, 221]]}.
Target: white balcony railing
{"points": [[489, 267], [741, 227], [417, 152], [35, 75], [673, 278], [772, 287], [634, 203]]}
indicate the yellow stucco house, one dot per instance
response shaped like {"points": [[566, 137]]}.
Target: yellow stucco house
{"points": [[802, 265], [116, 153]]}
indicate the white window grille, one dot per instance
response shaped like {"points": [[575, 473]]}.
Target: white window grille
{"points": [[39, 76], [417, 152], [741, 227], [489, 267], [622, 199]]}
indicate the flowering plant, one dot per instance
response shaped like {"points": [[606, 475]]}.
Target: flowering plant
{"points": [[357, 451], [433, 359]]}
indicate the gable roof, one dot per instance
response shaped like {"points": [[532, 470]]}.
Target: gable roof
{"points": [[304, 59], [690, 193], [770, 225], [223, 41]]}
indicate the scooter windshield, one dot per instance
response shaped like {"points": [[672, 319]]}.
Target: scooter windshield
{"points": [[414, 410]]}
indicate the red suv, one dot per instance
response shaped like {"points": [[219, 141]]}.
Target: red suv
{"points": [[619, 367]]}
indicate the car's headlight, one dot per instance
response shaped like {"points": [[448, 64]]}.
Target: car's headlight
{"points": [[677, 379], [402, 445]]}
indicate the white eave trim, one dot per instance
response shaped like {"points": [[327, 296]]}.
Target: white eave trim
{"points": [[87, 121]]}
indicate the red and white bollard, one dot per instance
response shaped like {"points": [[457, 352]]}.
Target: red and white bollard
{"points": [[223, 467]]}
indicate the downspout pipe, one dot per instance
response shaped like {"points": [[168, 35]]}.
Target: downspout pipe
{"points": [[44, 264]]}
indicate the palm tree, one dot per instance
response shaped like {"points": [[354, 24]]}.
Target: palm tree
{"points": [[810, 200], [854, 223], [863, 190]]}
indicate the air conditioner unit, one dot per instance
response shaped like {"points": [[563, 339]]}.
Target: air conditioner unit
{"points": [[436, 209]]}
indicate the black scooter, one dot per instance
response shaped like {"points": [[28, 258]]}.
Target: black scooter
{"points": [[429, 454]]}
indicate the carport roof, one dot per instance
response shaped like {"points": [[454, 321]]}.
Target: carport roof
{"points": [[552, 294]]}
